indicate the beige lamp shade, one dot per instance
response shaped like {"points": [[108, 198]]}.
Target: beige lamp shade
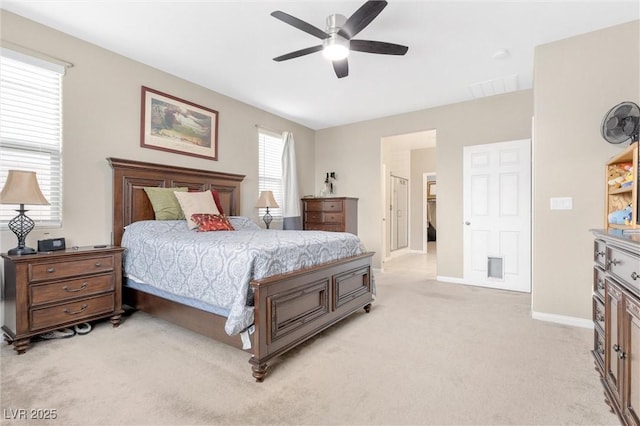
{"points": [[266, 200], [22, 188]]}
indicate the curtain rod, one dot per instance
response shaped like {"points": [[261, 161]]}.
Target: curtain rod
{"points": [[36, 53]]}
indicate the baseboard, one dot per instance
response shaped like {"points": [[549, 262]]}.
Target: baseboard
{"points": [[562, 319], [451, 279]]}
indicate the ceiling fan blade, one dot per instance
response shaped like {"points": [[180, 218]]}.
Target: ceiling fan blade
{"points": [[298, 53], [379, 47], [361, 18], [300, 24], [341, 68]]}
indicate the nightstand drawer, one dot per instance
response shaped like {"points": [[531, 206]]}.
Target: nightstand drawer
{"points": [[74, 311], [63, 290], [53, 270]]}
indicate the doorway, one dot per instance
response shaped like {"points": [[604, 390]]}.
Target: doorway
{"points": [[407, 156]]}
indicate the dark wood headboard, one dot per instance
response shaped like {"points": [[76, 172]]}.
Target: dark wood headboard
{"points": [[131, 204]]}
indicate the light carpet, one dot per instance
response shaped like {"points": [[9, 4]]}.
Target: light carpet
{"points": [[428, 353]]}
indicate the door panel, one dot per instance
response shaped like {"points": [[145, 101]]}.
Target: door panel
{"points": [[497, 215]]}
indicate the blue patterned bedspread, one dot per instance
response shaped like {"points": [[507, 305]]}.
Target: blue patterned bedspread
{"points": [[217, 267]]}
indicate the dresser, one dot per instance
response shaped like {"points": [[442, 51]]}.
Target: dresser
{"points": [[616, 317], [336, 214], [51, 290]]}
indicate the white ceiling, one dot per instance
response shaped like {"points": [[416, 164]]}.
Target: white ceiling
{"points": [[228, 46]]}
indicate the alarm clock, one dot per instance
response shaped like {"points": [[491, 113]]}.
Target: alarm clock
{"points": [[52, 244]]}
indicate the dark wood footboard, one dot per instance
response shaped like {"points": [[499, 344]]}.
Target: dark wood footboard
{"points": [[291, 308]]}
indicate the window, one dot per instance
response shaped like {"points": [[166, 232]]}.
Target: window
{"points": [[270, 168], [31, 130]]}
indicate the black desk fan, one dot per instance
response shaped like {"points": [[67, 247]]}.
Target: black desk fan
{"points": [[621, 123]]}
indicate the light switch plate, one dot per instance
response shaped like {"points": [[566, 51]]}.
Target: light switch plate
{"points": [[561, 203]]}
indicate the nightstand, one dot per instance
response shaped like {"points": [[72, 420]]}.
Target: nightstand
{"points": [[51, 290]]}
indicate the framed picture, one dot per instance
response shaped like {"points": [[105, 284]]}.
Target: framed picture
{"points": [[431, 190], [175, 125]]}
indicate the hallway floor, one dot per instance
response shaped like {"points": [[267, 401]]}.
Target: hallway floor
{"points": [[424, 264]]}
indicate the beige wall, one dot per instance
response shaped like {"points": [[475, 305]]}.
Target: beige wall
{"points": [[577, 81], [495, 119], [102, 119]]}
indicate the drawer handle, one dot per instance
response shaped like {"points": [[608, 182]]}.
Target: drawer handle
{"points": [[614, 262], [51, 270], [74, 290], [600, 284], [98, 264], [622, 355], [616, 347], [600, 317], [599, 253], [634, 276], [82, 308]]}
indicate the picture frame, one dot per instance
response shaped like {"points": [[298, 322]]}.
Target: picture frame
{"points": [[171, 124], [431, 190]]}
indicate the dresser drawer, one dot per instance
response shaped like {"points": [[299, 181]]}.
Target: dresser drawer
{"points": [[313, 206], [73, 311], [598, 312], [333, 218], [313, 216], [332, 206], [598, 282], [598, 348], [63, 290], [599, 252], [323, 227], [63, 269], [624, 266]]}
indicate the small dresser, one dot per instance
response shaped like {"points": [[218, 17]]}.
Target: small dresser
{"points": [[336, 214], [51, 290]]}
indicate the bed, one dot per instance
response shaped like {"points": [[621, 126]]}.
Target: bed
{"points": [[288, 308]]}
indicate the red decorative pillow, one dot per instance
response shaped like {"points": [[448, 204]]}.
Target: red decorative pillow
{"points": [[211, 222], [216, 198]]}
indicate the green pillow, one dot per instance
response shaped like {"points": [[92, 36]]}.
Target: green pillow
{"points": [[164, 202]]}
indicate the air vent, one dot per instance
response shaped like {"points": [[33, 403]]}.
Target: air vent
{"points": [[493, 87]]}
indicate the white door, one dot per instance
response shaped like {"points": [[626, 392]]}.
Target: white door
{"points": [[399, 213], [497, 215]]}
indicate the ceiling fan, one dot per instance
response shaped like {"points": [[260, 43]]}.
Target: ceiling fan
{"points": [[337, 39]]}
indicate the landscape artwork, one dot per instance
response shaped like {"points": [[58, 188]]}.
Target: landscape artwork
{"points": [[175, 125]]}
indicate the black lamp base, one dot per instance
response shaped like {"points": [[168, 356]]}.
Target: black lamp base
{"points": [[267, 218], [19, 251]]}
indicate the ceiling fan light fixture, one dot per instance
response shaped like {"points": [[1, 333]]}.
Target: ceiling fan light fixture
{"points": [[335, 48]]}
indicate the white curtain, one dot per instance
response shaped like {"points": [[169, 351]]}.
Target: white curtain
{"points": [[291, 207]]}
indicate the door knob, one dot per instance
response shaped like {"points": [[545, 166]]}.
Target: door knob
{"points": [[467, 223]]}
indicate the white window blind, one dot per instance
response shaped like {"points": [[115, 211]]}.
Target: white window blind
{"points": [[31, 130], [270, 168]]}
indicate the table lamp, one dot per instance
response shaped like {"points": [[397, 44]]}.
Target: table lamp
{"points": [[266, 200], [21, 188]]}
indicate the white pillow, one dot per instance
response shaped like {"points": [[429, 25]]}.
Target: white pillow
{"points": [[196, 202]]}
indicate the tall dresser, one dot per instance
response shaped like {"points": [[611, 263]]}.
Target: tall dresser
{"points": [[616, 317], [337, 214]]}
